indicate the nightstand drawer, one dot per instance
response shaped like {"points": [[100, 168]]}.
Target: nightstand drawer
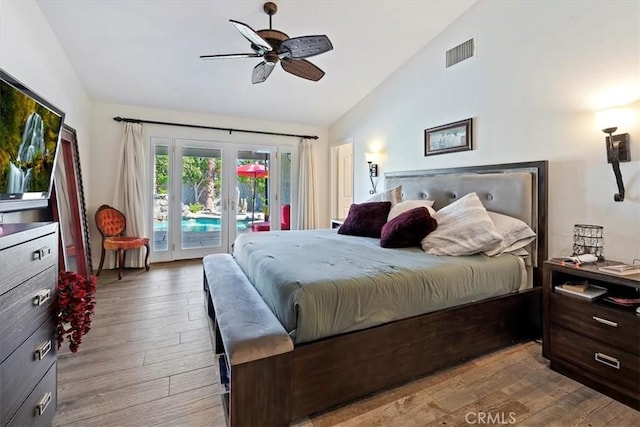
{"points": [[21, 371], [610, 363], [614, 326], [26, 307]]}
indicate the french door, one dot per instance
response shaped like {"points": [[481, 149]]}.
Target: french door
{"points": [[342, 179], [206, 193]]}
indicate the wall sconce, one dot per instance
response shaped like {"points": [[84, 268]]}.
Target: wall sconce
{"points": [[373, 170], [617, 145]]}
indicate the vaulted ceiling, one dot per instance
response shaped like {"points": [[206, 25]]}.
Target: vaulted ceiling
{"points": [[146, 53]]}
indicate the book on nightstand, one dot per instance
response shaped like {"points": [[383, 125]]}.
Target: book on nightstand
{"points": [[625, 302], [576, 286], [621, 269], [582, 290]]}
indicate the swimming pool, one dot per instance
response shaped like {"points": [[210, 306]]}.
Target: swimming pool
{"points": [[200, 225]]}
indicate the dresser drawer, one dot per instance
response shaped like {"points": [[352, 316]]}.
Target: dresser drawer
{"points": [[22, 370], [610, 363], [21, 262], [26, 307], [614, 326], [40, 406]]}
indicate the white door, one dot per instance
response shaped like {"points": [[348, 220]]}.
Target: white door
{"points": [[203, 197], [344, 179]]}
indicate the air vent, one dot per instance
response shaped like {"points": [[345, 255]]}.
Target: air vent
{"points": [[460, 53]]}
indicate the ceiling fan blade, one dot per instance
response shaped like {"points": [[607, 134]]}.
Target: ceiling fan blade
{"points": [[231, 55], [262, 71], [306, 46], [302, 68], [250, 34]]}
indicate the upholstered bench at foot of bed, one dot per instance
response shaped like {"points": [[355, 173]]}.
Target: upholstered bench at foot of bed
{"points": [[253, 343]]}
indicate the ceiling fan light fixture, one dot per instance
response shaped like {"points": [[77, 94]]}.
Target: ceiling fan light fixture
{"points": [[274, 46]]}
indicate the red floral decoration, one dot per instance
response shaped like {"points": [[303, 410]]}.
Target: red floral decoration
{"points": [[76, 304]]}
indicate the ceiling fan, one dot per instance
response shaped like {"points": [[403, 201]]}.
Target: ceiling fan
{"points": [[275, 46]]}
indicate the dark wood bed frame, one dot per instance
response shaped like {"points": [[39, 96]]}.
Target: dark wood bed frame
{"points": [[322, 374]]}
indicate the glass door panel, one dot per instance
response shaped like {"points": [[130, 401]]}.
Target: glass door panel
{"points": [[286, 191], [200, 208], [161, 180], [253, 180]]}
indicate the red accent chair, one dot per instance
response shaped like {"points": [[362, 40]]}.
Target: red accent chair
{"points": [[112, 224], [285, 221]]}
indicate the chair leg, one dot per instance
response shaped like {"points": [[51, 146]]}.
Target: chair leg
{"points": [[121, 262], [146, 258], [101, 262]]}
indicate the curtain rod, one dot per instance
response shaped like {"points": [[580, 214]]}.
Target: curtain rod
{"points": [[230, 130]]}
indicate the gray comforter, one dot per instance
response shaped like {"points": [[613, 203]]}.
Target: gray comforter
{"points": [[320, 283]]}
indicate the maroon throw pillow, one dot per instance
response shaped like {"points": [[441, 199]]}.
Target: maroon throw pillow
{"points": [[366, 219], [407, 229]]}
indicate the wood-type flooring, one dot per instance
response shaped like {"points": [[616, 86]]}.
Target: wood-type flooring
{"points": [[148, 361]]}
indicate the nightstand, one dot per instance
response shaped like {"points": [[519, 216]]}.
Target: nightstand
{"points": [[336, 223], [592, 341]]}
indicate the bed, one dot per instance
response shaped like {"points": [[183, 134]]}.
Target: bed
{"points": [[279, 363]]}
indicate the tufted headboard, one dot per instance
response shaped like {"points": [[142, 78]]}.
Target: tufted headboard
{"points": [[515, 189]]}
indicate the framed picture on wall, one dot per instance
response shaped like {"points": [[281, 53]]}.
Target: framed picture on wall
{"points": [[448, 138]]}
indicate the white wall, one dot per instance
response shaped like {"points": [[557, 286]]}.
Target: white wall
{"points": [[107, 135], [30, 51], [541, 70]]}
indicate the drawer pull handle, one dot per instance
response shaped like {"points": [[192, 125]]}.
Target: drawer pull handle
{"points": [[42, 296], [605, 321], [42, 253], [44, 402], [43, 349], [607, 360]]}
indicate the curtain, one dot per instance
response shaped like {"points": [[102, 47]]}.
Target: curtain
{"points": [[307, 215], [130, 192]]}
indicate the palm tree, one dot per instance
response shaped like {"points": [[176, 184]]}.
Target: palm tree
{"points": [[210, 189]]}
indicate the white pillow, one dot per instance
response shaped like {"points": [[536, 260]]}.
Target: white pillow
{"points": [[515, 234], [522, 253], [407, 205], [464, 228], [393, 195]]}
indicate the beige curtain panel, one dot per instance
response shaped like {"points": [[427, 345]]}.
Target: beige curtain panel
{"points": [[307, 215], [131, 188]]}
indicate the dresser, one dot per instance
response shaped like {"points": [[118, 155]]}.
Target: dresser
{"points": [[592, 341], [28, 278]]}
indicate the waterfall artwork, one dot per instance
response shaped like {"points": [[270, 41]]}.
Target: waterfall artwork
{"points": [[29, 135], [31, 147]]}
